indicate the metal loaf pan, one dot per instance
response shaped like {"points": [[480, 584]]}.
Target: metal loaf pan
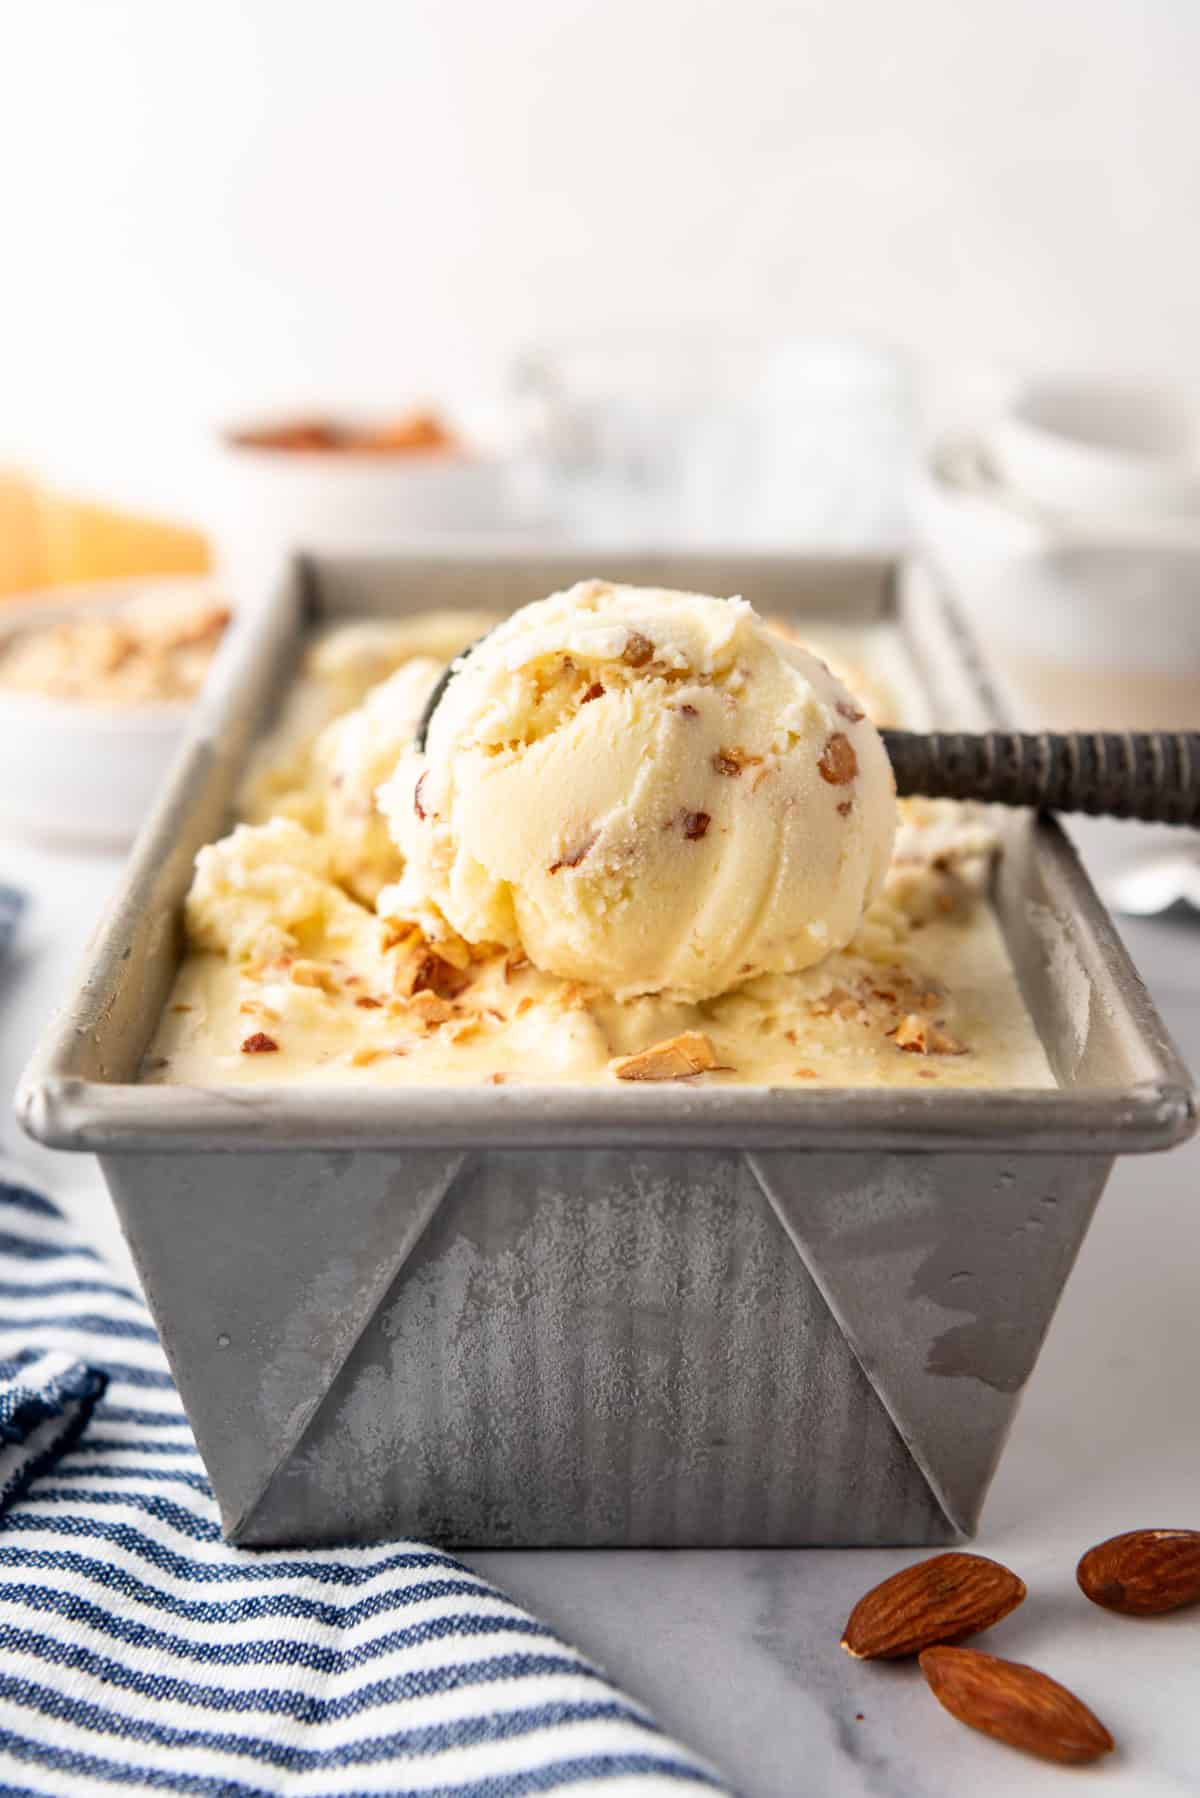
{"points": [[523, 1316]]}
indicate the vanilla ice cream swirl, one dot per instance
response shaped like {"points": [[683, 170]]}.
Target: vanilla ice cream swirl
{"points": [[646, 791]]}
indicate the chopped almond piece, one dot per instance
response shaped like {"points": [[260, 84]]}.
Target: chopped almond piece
{"points": [[204, 622], [574, 996], [695, 825], [259, 1044], [837, 762], [311, 973], [253, 1008], [845, 808], [595, 691], [457, 954], [678, 1058], [838, 999], [424, 971], [637, 651], [730, 762], [401, 936], [257, 968], [911, 1034], [428, 1009], [574, 856], [920, 1036]]}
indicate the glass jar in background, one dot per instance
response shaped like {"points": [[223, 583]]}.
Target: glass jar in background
{"points": [[660, 439]]}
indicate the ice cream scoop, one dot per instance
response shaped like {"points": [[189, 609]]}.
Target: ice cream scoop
{"points": [[646, 791], [1152, 776]]}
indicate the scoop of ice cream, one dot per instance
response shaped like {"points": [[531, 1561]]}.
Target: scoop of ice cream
{"points": [[350, 659], [265, 890], [349, 760], [644, 790]]}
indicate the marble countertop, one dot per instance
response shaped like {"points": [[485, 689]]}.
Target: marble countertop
{"points": [[736, 1653]]}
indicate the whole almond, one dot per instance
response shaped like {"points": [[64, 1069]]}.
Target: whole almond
{"points": [[1144, 1572], [940, 1600], [1015, 1704]]}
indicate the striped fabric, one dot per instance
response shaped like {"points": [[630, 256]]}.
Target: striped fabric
{"points": [[139, 1651]]}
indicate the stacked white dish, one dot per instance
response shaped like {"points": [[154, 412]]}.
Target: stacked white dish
{"points": [[1069, 527]]}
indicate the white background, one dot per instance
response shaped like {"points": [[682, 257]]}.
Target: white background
{"points": [[205, 208], [208, 208]]}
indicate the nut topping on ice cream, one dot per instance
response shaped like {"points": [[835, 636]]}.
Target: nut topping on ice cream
{"points": [[837, 762], [579, 799], [680, 1058], [675, 809]]}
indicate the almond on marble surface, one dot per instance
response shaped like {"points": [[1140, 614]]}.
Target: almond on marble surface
{"points": [[1143, 1573], [940, 1600], [1015, 1704]]}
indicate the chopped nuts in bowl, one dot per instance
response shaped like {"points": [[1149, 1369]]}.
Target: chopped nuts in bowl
{"points": [[95, 690]]}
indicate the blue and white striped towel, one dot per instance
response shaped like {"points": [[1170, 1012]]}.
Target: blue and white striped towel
{"points": [[138, 1650]]}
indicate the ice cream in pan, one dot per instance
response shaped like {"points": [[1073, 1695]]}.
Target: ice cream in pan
{"points": [[645, 791], [646, 838]]}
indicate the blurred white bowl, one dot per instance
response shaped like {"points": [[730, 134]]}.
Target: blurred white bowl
{"points": [[1094, 627], [271, 503], [75, 771], [1084, 448]]}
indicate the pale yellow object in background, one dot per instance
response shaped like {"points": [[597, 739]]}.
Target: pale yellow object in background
{"points": [[22, 554], [49, 540]]}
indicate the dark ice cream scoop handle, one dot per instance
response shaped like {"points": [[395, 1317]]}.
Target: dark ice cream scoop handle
{"points": [[1152, 775]]}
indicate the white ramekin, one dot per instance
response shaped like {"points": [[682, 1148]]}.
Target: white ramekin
{"points": [[269, 504], [75, 771], [1094, 626], [1087, 448]]}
